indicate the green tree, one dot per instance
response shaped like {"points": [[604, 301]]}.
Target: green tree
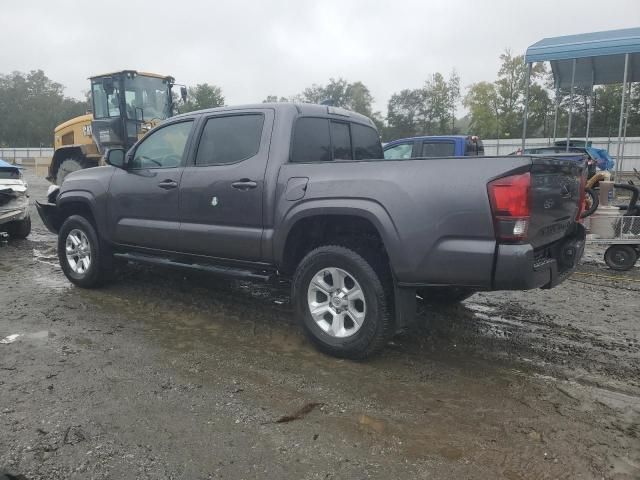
{"points": [[454, 97], [502, 114], [203, 96], [31, 105], [484, 115], [404, 114]]}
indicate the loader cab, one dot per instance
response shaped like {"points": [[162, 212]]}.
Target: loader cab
{"points": [[126, 105]]}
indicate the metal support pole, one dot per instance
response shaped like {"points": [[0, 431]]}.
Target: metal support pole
{"points": [[555, 115], [526, 106], [586, 135], [620, 125], [624, 131], [573, 80]]}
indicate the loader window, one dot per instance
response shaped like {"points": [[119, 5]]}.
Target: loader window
{"points": [[105, 104]]}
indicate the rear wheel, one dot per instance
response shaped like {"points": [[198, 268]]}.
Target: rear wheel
{"points": [[20, 228], [342, 302], [620, 257], [83, 259]]}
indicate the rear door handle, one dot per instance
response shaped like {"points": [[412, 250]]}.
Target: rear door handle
{"points": [[168, 184], [244, 184]]}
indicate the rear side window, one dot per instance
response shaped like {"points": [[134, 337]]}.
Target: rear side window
{"points": [[323, 140], [341, 141], [230, 139], [366, 142], [438, 149], [311, 141]]}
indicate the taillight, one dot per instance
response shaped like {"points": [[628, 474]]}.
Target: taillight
{"points": [[583, 197], [511, 206]]}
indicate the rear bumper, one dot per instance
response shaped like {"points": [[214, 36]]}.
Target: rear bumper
{"points": [[49, 214], [520, 267]]}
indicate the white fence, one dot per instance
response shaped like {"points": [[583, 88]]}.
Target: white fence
{"points": [[631, 157], [21, 155]]}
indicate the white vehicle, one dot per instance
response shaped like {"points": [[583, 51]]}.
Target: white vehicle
{"points": [[14, 202]]}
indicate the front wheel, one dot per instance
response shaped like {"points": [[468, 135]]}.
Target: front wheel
{"points": [[620, 257], [342, 302], [80, 253]]}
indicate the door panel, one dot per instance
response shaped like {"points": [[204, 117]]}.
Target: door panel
{"points": [[144, 200], [221, 195]]}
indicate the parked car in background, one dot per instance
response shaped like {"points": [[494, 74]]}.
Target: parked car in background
{"points": [[303, 192], [14, 201], [596, 157], [434, 146]]}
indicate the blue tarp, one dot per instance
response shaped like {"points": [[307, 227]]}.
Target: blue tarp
{"points": [[4, 164], [600, 56]]}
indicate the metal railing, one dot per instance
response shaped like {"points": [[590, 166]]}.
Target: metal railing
{"points": [[18, 155]]}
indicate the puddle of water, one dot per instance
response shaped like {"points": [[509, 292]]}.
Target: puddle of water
{"points": [[41, 335], [10, 338]]}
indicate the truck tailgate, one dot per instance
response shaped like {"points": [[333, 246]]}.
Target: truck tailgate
{"points": [[555, 196]]}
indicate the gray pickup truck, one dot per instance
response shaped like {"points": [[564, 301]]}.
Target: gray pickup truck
{"points": [[303, 191]]}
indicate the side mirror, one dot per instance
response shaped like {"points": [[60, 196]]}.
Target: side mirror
{"points": [[183, 94], [115, 157]]}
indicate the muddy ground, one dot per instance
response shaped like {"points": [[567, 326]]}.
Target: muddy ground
{"points": [[165, 375]]}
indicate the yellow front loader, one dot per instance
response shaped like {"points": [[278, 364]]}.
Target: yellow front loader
{"points": [[125, 105]]}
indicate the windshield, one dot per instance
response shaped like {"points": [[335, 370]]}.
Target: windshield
{"points": [[145, 98]]}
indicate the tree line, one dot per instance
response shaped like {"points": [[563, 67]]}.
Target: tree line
{"points": [[31, 105]]}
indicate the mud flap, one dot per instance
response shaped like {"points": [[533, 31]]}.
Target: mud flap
{"points": [[405, 305]]}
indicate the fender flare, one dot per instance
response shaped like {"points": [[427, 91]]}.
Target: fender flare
{"points": [[85, 198], [367, 209]]}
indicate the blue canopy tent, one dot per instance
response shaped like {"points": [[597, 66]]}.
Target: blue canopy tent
{"points": [[585, 60]]}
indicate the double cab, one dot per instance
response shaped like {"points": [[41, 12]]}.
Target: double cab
{"points": [[304, 192]]}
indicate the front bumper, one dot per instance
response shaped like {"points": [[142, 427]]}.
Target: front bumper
{"points": [[49, 214], [520, 267]]}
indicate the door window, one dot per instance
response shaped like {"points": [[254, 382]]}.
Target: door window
{"points": [[163, 148], [230, 139], [438, 149], [399, 152]]}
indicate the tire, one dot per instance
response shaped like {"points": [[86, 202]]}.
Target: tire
{"points": [[592, 200], [365, 317], [445, 295], [20, 228], [67, 166], [620, 257], [99, 267]]}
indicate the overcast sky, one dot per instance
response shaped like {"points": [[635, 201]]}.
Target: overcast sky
{"points": [[252, 49]]}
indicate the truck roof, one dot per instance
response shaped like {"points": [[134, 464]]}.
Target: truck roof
{"points": [[301, 109]]}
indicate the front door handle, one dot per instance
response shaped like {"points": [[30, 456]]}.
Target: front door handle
{"points": [[244, 184], [168, 184]]}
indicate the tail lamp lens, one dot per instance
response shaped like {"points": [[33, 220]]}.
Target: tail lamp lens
{"points": [[511, 206]]}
